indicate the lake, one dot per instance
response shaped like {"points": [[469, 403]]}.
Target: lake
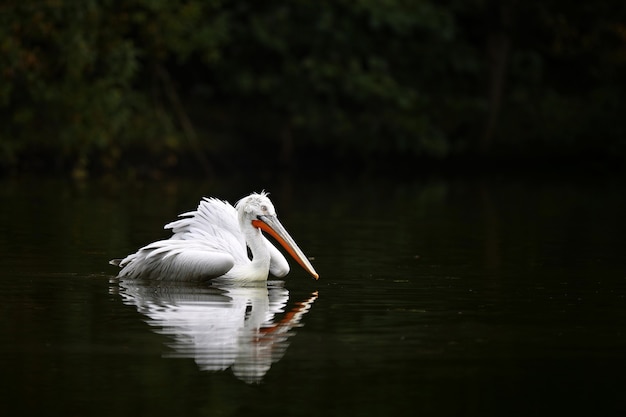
{"points": [[488, 296]]}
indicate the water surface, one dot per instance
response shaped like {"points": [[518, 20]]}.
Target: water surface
{"points": [[436, 297]]}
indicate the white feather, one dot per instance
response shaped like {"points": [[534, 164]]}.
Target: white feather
{"points": [[209, 242]]}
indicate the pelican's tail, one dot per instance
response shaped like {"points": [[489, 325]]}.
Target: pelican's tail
{"points": [[115, 262]]}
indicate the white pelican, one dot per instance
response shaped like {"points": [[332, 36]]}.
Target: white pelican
{"points": [[212, 242]]}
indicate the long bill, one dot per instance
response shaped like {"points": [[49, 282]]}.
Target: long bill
{"points": [[271, 225]]}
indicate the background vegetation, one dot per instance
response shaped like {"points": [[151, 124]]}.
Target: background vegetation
{"points": [[201, 85]]}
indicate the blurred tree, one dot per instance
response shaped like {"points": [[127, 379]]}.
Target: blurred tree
{"points": [[79, 78], [87, 84], [346, 76], [67, 71], [567, 71]]}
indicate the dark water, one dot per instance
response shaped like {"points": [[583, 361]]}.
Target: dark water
{"points": [[458, 297]]}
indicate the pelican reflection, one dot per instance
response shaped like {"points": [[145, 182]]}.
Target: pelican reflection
{"points": [[221, 326]]}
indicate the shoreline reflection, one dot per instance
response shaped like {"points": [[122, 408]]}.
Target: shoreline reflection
{"points": [[221, 326]]}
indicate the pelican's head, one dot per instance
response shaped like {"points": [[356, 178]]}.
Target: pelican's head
{"points": [[256, 204], [257, 210]]}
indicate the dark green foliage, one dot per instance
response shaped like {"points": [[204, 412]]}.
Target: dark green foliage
{"points": [[86, 84]]}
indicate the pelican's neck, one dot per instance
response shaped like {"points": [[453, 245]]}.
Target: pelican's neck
{"points": [[260, 252]]}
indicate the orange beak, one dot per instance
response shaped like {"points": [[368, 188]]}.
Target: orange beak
{"points": [[271, 225]]}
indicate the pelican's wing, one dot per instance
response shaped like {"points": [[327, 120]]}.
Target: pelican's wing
{"points": [[175, 259], [215, 223], [211, 216], [205, 243]]}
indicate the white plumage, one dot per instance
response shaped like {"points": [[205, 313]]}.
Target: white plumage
{"points": [[212, 241]]}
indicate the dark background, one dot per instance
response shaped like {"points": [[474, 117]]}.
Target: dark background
{"points": [[146, 88]]}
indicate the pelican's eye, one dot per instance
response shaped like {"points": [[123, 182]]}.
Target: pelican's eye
{"points": [[264, 208]]}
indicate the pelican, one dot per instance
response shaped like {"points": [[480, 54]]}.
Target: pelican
{"points": [[213, 242]]}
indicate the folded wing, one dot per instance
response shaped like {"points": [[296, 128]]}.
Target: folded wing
{"points": [[206, 242]]}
